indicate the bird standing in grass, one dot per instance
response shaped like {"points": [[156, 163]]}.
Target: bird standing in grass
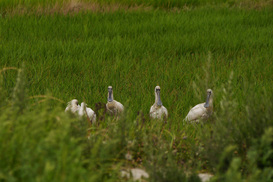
{"points": [[72, 106], [86, 111], [113, 107], [201, 111], [158, 111], [91, 114]]}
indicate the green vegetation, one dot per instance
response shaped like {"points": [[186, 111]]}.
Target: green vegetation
{"points": [[74, 6], [186, 51], [154, 3]]}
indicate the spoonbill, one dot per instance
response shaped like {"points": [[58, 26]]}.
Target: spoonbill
{"points": [[72, 106], [158, 111], [201, 111], [113, 106], [83, 110]]}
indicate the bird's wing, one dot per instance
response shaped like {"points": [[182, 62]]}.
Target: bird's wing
{"points": [[152, 109], [197, 106], [120, 107], [153, 112], [165, 111], [89, 112], [196, 112]]}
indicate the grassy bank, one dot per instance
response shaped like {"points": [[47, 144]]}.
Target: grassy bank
{"points": [[12, 7]]}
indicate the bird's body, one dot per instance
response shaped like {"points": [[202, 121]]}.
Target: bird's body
{"points": [[201, 111], [83, 111], [113, 107], [91, 115], [72, 106], [198, 112], [157, 110]]}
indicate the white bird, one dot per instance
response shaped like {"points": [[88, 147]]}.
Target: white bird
{"points": [[201, 111], [72, 106], [83, 111], [113, 107], [91, 114], [158, 111]]}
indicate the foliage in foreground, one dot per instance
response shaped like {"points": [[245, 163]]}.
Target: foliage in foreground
{"points": [[79, 56], [41, 142]]}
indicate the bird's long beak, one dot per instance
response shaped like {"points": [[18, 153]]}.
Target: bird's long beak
{"points": [[110, 99], [207, 101], [159, 103]]}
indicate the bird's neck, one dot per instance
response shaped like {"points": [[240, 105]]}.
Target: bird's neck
{"points": [[211, 101], [112, 96], [210, 108], [156, 98]]}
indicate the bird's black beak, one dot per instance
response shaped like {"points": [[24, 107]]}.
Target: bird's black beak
{"points": [[159, 102], [110, 99], [207, 101]]}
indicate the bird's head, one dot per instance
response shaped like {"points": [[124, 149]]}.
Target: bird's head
{"points": [[157, 95], [110, 94]]}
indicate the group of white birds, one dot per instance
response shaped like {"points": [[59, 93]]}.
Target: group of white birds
{"points": [[199, 112], [74, 107]]}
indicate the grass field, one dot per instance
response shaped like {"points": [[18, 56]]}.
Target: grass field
{"points": [[184, 51]]}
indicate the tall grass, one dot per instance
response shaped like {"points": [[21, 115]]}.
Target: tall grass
{"points": [[44, 143], [78, 56]]}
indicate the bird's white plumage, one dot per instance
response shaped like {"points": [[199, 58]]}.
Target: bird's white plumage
{"points": [[157, 110], [197, 112], [72, 106], [201, 111], [91, 114], [83, 111], [113, 107]]}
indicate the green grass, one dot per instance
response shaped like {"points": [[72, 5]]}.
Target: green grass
{"points": [[80, 55]]}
